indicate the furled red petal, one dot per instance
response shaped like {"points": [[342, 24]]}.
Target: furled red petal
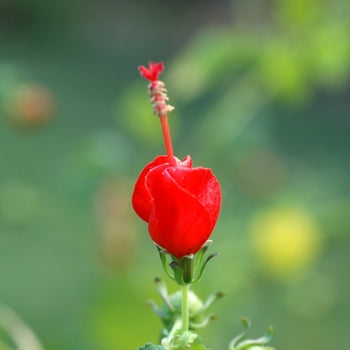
{"points": [[141, 198], [179, 222], [203, 185]]}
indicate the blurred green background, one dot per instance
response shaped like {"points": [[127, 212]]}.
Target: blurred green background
{"points": [[262, 96]]}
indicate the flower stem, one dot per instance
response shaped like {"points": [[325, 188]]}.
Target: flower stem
{"points": [[167, 139], [185, 307]]}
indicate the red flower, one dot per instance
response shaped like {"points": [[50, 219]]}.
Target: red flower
{"points": [[181, 204], [152, 72]]}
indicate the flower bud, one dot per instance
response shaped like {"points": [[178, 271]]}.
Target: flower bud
{"points": [[181, 204]]}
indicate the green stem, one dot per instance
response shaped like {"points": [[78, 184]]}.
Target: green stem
{"points": [[185, 308]]}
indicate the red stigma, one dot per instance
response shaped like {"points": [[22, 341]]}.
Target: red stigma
{"points": [[152, 72]]}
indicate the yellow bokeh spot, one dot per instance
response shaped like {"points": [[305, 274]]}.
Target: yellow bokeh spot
{"points": [[286, 241]]}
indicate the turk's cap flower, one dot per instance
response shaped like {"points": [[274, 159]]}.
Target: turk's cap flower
{"points": [[181, 204]]}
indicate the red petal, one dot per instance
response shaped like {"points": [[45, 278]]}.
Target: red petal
{"points": [[178, 222], [141, 198], [185, 163], [203, 185]]}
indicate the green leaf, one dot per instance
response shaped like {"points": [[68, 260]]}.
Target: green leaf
{"points": [[197, 345], [150, 346], [186, 340]]}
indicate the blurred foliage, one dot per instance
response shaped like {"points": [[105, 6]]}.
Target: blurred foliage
{"points": [[17, 334], [261, 90]]}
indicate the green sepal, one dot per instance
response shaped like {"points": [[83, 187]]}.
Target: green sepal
{"points": [[203, 323], [188, 269], [183, 269], [212, 297], [200, 255], [201, 270], [187, 266], [162, 290], [251, 344], [178, 272], [154, 308], [150, 346], [246, 324], [247, 344], [162, 254]]}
